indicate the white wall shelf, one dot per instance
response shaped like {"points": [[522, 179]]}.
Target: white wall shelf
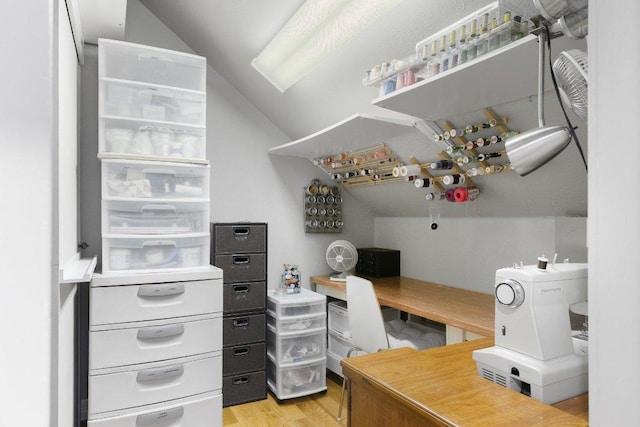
{"points": [[354, 133], [500, 76]]}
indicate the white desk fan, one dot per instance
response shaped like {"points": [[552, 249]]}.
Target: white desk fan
{"points": [[342, 257], [571, 70]]}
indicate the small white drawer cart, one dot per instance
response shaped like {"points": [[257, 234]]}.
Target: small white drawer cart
{"points": [[296, 344]]}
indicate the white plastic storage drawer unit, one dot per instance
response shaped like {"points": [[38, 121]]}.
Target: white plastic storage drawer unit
{"points": [[296, 380], [154, 253], [194, 411], [296, 347], [146, 180], [145, 217], [304, 303], [136, 385], [132, 62], [142, 342]]}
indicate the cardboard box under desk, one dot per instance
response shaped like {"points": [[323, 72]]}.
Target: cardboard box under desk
{"points": [[378, 262]]}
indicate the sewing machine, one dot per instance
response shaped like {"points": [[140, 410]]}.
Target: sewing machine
{"points": [[537, 352]]}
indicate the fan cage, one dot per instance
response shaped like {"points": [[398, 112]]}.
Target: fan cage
{"points": [[571, 69], [341, 256]]}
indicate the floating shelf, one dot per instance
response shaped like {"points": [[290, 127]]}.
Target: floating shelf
{"points": [[500, 76], [352, 134]]}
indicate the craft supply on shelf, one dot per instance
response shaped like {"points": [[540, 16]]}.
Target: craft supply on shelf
{"points": [[322, 208]]}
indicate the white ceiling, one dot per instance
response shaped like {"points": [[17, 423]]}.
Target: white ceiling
{"points": [[230, 33]]}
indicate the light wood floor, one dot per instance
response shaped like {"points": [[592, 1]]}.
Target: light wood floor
{"points": [[317, 410]]}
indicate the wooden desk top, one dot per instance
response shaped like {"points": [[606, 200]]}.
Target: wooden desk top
{"points": [[468, 310], [442, 384]]}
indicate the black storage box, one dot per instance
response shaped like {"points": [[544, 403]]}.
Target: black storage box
{"points": [[378, 262]]}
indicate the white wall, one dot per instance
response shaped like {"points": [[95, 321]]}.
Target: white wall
{"points": [[29, 253], [614, 289], [466, 252]]}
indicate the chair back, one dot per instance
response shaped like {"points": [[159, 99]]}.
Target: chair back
{"points": [[365, 318]]}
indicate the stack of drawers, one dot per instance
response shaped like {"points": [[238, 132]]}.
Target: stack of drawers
{"points": [[155, 315], [151, 142], [155, 349], [240, 250], [296, 344]]}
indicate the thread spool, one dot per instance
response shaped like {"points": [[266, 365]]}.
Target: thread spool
{"points": [[453, 179], [409, 170], [442, 164], [423, 182], [460, 194], [396, 172], [410, 178], [434, 196], [542, 263], [450, 195]]}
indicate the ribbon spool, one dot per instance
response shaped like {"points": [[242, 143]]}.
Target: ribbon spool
{"points": [[423, 182]]}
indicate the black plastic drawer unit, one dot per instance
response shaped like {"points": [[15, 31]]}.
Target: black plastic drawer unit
{"points": [[240, 250]]}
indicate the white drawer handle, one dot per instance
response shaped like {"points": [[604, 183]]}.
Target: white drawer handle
{"points": [[158, 207], [163, 290], [160, 417], [158, 332], [156, 57], [160, 374], [159, 171]]}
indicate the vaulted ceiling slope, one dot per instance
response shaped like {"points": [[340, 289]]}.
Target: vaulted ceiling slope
{"points": [[230, 33]]}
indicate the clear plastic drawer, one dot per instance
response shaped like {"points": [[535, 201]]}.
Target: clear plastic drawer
{"points": [[304, 303], [152, 103], [128, 179], [153, 253], [296, 347], [297, 323], [134, 217], [162, 142], [297, 380], [134, 62]]}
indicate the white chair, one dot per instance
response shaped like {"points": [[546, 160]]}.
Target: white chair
{"points": [[367, 326], [365, 322]]}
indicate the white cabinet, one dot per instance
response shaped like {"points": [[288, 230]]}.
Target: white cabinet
{"points": [[296, 344], [165, 352]]}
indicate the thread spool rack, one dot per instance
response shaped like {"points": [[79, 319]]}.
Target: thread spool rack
{"points": [[322, 208], [484, 156]]}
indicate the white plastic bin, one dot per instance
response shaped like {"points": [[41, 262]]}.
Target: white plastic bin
{"points": [[305, 303], [297, 323]]}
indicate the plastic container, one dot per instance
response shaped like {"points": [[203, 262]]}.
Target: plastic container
{"points": [[139, 63], [297, 323], [154, 253], [296, 347], [304, 303], [135, 217], [298, 380], [131, 180]]}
